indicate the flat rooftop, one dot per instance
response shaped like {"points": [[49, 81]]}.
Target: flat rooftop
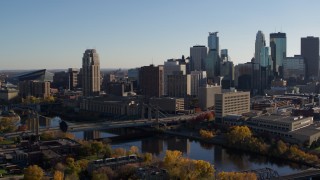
{"points": [[279, 118], [307, 131]]}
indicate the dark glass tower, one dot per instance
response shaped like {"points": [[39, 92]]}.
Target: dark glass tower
{"points": [[278, 45], [310, 52]]}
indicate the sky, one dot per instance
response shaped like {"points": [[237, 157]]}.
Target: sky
{"points": [[54, 34]]}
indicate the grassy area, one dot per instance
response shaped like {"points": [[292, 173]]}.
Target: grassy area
{"points": [[6, 142], [2, 171], [317, 149], [92, 157]]}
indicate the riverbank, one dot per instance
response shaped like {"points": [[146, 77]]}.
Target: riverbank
{"points": [[222, 141]]}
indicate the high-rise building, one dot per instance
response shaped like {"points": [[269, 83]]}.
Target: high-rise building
{"points": [[198, 55], [91, 73], [73, 78], [310, 52], [260, 42], [207, 94], [151, 81], [171, 67], [213, 57], [243, 76], [278, 45], [224, 55], [213, 41], [294, 68], [227, 72], [198, 79], [265, 69], [179, 85]]}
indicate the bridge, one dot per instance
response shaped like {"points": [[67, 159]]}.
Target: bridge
{"points": [[309, 174], [73, 127]]}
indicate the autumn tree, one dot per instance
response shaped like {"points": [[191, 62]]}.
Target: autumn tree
{"points": [[72, 167], [110, 174], [238, 134], [119, 152], [236, 176], [147, 158], [133, 150], [58, 175], [97, 147], [206, 134], [8, 125], [33, 172], [99, 176]]}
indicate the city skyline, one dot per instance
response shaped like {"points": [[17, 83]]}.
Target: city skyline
{"points": [[126, 34]]}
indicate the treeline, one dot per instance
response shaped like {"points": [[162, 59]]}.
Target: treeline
{"points": [[241, 137]]}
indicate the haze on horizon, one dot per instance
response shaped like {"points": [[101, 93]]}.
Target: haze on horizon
{"points": [[54, 34]]}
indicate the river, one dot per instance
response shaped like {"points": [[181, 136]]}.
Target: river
{"points": [[223, 159]]}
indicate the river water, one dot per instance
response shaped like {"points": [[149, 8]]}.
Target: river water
{"points": [[223, 159]]}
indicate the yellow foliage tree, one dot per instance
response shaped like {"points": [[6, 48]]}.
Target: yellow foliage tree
{"points": [[206, 134], [8, 125], [236, 176], [119, 152], [238, 134], [58, 175], [33, 172], [133, 150]]}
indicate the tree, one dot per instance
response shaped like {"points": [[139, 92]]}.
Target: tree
{"points": [[236, 176], [119, 152], [8, 125], [72, 167], [106, 171], [99, 176], [58, 175], [238, 134], [281, 147], [206, 134], [172, 157], [83, 164], [97, 147], [133, 150], [33, 172], [147, 158]]}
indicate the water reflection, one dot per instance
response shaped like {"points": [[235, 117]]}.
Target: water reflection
{"points": [[154, 146], [175, 143]]}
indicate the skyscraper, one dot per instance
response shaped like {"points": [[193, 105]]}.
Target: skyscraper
{"points": [[310, 52], [261, 65], [278, 45], [171, 67], [151, 81], [213, 41], [197, 58], [90, 73], [213, 58], [260, 42]]}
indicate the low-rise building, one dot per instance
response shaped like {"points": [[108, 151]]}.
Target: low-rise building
{"points": [[231, 103], [169, 105]]}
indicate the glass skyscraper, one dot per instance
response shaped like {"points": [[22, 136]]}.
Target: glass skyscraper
{"points": [[278, 45]]}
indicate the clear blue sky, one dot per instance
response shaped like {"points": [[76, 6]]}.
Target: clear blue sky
{"points": [[131, 33]]}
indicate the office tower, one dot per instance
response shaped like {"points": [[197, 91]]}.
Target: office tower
{"points": [[294, 68], [198, 55], [243, 76], [224, 55], [61, 80], [73, 78], [198, 79], [207, 94], [213, 41], [227, 74], [151, 81], [172, 66], [260, 42], [265, 70], [213, 57], [91, 73], [231, 103], [179, 85], [278, 45], [310, 52]]}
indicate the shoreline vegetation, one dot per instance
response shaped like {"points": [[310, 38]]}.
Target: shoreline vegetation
{"points": [[241, 138]]}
